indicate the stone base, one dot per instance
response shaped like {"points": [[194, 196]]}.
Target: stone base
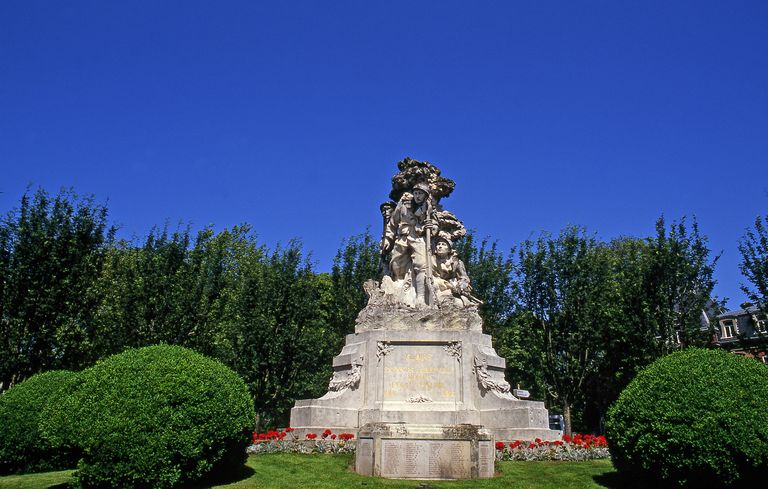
{"points": [[421, 377], [433, 452]]}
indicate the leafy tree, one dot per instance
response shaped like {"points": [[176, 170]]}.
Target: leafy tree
{"points": [[493, 281], [277, 323], [53, 250], [567, 297], [164, 291], [679, 281], [754, 262], [663, 285], [491, 276], [356, 262]]}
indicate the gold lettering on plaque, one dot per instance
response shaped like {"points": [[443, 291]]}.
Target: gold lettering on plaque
{"points": [[415, 370]]}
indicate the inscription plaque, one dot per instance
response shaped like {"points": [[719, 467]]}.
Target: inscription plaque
{"points": [[425, 459], [421, 371], [485, 459], [364, 457]]}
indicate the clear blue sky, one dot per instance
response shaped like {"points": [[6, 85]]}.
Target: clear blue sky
{"points": [[291, 115]]}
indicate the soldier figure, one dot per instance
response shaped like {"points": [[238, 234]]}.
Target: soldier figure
{"points": [[405, 238], [387, 208]]}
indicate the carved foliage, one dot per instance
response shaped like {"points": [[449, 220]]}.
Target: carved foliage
{"points": [[419, 399], [500, 387], [382, 348], [454, 348], [339, 382]]}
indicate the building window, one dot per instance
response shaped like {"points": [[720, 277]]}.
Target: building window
{"points": [[727, 329], [761, 326]]}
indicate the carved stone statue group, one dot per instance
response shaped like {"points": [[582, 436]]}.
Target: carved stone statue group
{"points": [[418, 262]]}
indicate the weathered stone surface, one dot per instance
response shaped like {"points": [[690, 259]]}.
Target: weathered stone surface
{"points": [[382, 313], [424, 451], [418, 376]]}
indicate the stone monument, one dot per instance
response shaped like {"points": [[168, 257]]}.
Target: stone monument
{"points": [[418, 382]]}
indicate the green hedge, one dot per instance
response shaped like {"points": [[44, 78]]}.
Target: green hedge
{"points": [[22, 449], [157, 416], [696, 417]]}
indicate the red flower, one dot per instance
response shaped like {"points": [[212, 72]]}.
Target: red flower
{"points": [[346, 436], [538, 440], [333, 437], [566, 438], [532, 445], [326, 433], [601, 441], [311, 436], [289, 429], [499, 445]]}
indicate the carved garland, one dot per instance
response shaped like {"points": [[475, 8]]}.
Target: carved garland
{"points": [[499, 387], [382, 348], [419, 399], [351, 380]]}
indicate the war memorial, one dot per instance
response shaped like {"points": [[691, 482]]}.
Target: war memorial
{"points": [[418, 382]]}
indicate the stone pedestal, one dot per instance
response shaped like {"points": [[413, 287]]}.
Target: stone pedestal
{"points": [[401, 451], [421, 367]]}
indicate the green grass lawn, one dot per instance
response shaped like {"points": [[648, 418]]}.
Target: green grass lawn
{"points": [[282, 471]]}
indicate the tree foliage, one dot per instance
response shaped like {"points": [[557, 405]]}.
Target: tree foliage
{"points": [[357, 261], [22, 448], [158, 416], [568, 297], [753, 247], [695, 417], [576, 318], [53, 250], [664, 284]]}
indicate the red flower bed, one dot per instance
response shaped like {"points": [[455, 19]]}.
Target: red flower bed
{"points": [[576, 447], [274, 441]]}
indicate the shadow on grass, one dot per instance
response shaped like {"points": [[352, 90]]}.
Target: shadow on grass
{"points": [[616, 480], [224, 477]]}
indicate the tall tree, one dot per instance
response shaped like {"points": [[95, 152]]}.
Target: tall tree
{"points": [[356, 262], [754, 262], [53, 249], [491, 275], [664, 284], [277, 321], [567, 296]]}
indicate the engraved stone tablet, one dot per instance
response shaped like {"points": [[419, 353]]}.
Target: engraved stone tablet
{"points": [[485, 460], [425, 459], [364, 458]]}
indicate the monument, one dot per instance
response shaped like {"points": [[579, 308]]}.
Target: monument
{"points": [[418, 382]]}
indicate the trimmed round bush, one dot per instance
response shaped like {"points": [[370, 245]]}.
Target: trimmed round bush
{"points": [[696, 417], [22, 449], [158, 416]]}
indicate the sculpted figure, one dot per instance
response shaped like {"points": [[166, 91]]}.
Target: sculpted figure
{"points": [[387, 208], [412, 274], [452, 284], [405, 239]]}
